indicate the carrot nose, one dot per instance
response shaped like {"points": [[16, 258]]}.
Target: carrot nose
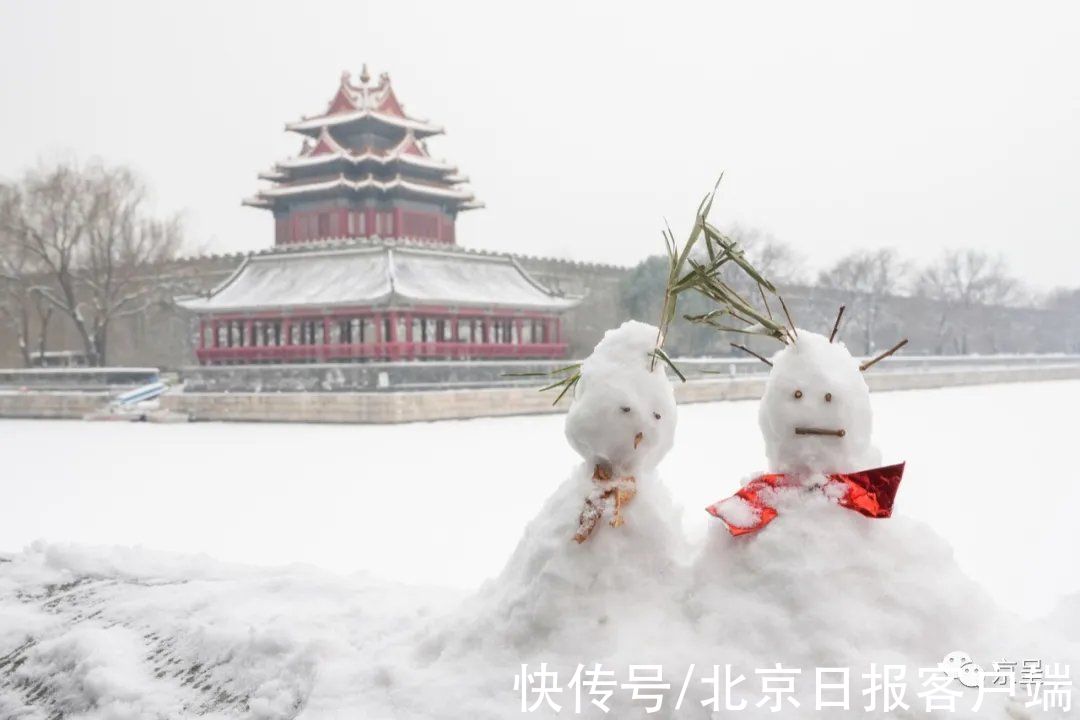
{"points": [[638, 438]]}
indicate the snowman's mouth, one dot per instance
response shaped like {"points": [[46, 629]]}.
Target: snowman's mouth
{"points": [[820, 431]]}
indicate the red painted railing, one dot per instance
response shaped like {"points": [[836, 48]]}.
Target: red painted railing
{"points": [[378, 351]]}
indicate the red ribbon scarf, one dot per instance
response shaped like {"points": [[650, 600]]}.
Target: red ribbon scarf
{"points": [[870, 492]]}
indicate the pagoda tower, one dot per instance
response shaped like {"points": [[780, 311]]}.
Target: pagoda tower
{"points": [[364, 171], [391, 284]]}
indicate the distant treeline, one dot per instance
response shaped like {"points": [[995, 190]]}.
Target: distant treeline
{"points": [[963, 302]]}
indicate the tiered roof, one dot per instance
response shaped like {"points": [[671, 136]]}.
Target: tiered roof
{"points": [[334, 161], [366, 104]]}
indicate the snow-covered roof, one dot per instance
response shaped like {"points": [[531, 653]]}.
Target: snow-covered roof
{"points": [[328, 150], [311, 126], [380, 275], [366, 101], [368, 183]]}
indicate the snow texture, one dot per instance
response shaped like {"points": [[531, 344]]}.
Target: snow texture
{"points": [[816, 385]]}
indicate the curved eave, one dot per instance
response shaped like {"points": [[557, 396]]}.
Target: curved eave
{"points": [[356, 160], [381, 275], [196, 305], [313, 126], [270, 194], [256, 201]]}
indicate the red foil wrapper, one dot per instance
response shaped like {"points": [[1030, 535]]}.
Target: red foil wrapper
{"points": [[869, 492]]}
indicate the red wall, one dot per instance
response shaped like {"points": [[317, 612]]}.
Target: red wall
{"points": [[334, 222]]}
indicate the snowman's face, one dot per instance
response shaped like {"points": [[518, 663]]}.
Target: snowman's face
{"points": [[627, 422], [815, 415]]}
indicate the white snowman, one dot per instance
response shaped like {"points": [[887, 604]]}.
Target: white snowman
{"points": [[797, 573], [622, 421], [816, 422], [611, 528]]}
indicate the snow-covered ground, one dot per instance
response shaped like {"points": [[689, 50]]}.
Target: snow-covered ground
{"points": [[992, 469], [113, 632]]}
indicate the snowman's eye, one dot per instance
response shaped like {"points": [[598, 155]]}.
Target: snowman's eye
{"points": [[828, 397], [798, 394], [656, 415], [625, 408]]}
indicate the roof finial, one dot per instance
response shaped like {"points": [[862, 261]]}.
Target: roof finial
{"points": [[365, 77]]}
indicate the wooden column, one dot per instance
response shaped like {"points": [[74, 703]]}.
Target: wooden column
{"points": [[380, 349], [324, 349], [393, 335]]}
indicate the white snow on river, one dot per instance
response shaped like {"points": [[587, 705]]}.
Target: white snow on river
{"points": [[991, 469]]}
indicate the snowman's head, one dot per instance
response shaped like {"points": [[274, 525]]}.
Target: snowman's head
{"points": [[623, 414], [815, 415]]}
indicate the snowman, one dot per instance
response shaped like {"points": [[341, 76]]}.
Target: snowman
{"points": [[816, 421], [610, 532], [621, 423], [802, 571]]}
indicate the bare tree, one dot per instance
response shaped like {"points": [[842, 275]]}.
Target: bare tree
{"points": [[23, 308], [962, 282], [865, 280], [89, 231], [774, 258]]}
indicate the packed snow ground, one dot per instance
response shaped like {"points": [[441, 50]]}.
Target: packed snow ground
{"points": [[111, 633], [992, 469]]}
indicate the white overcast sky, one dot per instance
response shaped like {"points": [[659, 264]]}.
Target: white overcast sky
{"points": [[582, 125]]}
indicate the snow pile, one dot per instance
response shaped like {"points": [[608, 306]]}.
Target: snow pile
{"points": [[124, 633], [822, 586]]}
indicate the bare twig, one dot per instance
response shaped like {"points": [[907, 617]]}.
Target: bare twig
{"points": [[836, 325], [751, 352], [820, 431], [869, 363], [788, 316]]}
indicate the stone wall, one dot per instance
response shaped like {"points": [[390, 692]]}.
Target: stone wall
{"points": [[398, 407]]}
